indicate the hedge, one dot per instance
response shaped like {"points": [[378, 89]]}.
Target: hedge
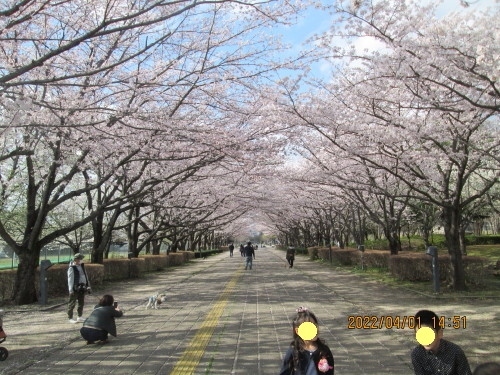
{"points": [[407, 266], [482, 240], [418, 267], [205, 253], [110, 270]]}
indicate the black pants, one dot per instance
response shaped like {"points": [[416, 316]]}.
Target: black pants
{"points": [[93, 335], [290, 262]]}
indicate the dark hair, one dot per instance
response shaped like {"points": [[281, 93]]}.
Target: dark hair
{"points": [[488, 368], [427, 318], [106, 300], [303, 315]]}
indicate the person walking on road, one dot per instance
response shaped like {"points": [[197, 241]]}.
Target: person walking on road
{"points": [[290, 255], [250, 254], [307, 353], [78, 285], [231, 249]]}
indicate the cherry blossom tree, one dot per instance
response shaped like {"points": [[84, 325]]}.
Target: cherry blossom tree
{"points": [[96, 95], [421, 107]]}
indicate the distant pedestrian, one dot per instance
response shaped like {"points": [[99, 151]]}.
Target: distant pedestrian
{"points": [[101, 321], [307, 353], [434, 355], [242, 250], [290, 255], [250, 255], [488, 368], [231, 249], [78, 285]]}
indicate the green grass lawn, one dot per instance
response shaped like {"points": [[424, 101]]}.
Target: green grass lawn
{"points": [[489, 289], [491, 252]]}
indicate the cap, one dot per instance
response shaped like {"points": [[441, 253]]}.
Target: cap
{"points": [[78, 256]]}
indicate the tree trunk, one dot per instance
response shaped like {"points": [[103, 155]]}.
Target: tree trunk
{"points": [[102, 237], [451, 220], [98, 232], [426, 236], [344, 239], [182, 244], [463, 245], [156, 244], [24, 291], [394, 244], [133, 231]]}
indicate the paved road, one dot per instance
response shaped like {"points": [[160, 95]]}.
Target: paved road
{"points": [[220, 319]]}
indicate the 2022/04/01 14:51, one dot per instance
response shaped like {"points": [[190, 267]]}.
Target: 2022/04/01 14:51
{"points": [[401, 322]]}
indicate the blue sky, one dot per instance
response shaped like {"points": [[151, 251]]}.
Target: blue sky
{"points": [[316, 21]]}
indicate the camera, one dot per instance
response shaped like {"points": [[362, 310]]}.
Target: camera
{"points": [[80, 288], [115, 304]]}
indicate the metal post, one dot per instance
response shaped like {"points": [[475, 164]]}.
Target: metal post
{"points": [[44, 266]]}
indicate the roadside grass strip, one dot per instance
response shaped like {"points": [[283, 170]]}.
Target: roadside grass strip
{"points": [[196, 348]]}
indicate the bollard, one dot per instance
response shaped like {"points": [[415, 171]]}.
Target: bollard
{"points": [[44, 266], [433, 252]]}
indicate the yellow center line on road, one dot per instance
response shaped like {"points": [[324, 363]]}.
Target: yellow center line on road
{"points": [[196, 348]]}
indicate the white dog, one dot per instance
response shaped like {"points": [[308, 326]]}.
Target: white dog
{"points": [[155, 301]]}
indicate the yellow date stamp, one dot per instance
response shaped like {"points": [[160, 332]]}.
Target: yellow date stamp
{"points": [[381, 321], [453, 322], [402, 322]]}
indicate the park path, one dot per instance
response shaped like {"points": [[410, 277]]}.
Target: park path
{"points": [[220, 319]]}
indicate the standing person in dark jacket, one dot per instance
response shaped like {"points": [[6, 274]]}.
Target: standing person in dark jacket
{"points": [[307, 354], [101, 321], [250, 254], [290, 255], [78, 285]]}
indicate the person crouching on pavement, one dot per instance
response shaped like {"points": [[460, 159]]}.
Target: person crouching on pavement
{"points": [[101, 321]]}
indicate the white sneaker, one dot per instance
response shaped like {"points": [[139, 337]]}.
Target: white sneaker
{"points": [[80, 319], [73, 321]]}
